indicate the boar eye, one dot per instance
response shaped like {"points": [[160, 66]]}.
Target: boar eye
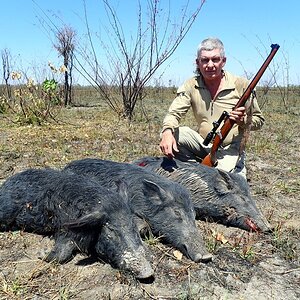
{"points": [[109, 229], [177, 214], [221, 190]]}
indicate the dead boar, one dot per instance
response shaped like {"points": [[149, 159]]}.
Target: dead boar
{"points": [[81, 215], [217, 195], [164, 205]]}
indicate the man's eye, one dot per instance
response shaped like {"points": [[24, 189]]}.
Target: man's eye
{"points": [[216, 59], [204, 60]]}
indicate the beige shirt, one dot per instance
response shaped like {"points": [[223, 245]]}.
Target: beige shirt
{"points": [[193, 93]]}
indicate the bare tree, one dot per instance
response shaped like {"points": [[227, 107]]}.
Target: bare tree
{"points": [[274, 69], [284, 89], [6, 61], [133, 60], [65, 46]]}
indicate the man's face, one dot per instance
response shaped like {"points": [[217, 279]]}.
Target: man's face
{"points": [[210, 64]]}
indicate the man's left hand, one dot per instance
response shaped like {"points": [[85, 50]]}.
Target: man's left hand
{"points": [[238, 115]]}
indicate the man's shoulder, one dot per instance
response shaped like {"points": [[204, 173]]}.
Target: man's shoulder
{"points": [[238, 82], [192, 81], [189, 84]]}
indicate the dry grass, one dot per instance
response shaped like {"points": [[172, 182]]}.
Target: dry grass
{"points": [[245, 263]]}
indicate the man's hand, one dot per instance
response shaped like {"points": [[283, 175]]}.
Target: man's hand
{"points": [[238, 115], [168, 143]]}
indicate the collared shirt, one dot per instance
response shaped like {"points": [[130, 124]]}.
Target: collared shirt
{"points": [[193, 93]]}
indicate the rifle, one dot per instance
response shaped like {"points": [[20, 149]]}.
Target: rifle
{"points": [[211, 158]]}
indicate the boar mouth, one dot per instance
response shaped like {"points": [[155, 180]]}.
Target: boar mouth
{"points": [[252, 225], [244, 222]]}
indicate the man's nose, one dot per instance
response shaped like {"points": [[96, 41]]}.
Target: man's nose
{"points": [[210, 63]]}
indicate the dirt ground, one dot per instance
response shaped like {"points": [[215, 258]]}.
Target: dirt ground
{"points": [[245, 265]]}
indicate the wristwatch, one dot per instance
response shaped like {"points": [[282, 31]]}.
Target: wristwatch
{"points": [[168, 129]]}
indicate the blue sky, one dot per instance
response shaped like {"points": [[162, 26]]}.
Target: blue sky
{"points": [[247, 28]]}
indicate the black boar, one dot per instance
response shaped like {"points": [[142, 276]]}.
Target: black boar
{"points": [[163, 204], [80, 215], [217, 195]]}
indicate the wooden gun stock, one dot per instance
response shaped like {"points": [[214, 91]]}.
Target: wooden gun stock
{"points": [[211, 158]]}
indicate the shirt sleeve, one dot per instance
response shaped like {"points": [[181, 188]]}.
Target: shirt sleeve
{"points": [[253, 110], [258, 119], [178, 109]]}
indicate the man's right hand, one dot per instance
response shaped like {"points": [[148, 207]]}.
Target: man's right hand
{"points": [[168, 143]]}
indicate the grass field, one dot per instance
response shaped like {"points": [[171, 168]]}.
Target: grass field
{"points": [[247, 266]]}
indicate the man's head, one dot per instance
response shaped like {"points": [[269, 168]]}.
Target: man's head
{"points": [[210, 58], [211, 44]]}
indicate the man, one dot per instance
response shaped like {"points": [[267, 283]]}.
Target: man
{"points": [[209, 93]]}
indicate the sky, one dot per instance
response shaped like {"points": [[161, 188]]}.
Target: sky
{"points": [[247, 29]]}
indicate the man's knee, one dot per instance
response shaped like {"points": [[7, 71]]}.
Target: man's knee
{"points": [[189, 144]]}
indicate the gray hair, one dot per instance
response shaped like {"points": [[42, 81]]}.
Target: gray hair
{"points": [[211, 44]]}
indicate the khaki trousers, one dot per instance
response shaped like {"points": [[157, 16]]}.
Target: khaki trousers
{"points": [[191, 148]]}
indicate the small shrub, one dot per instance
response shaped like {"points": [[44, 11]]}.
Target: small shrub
{"points": [[32, 105]]}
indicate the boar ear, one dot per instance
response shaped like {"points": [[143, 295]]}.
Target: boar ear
{"points": [[227, 179], [95, 218], [122, 189], [153, 192]]}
